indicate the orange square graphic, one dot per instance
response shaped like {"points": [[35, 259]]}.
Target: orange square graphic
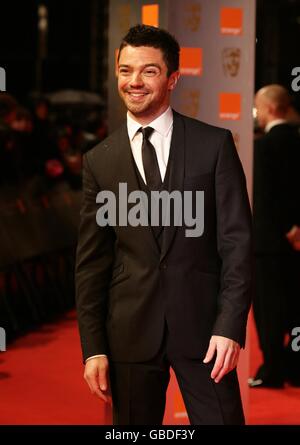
{"points": [[231, 21], [191, 61], [150, 15], [230, 106]]}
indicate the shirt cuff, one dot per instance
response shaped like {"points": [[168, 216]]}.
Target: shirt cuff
{"points": [[94, 356]]}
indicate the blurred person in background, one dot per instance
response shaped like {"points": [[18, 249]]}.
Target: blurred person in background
{"points": [[44, 139], [13, 133], [276, 212]]}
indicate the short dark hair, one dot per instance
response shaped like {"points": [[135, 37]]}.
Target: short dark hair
{"points": [[145, 35]]}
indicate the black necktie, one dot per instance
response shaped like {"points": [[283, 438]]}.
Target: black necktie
{"points": [[151, 168]]}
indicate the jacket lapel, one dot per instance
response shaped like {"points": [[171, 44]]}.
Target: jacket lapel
{"points": [[125, 168], [177, 165], [126, 172]]}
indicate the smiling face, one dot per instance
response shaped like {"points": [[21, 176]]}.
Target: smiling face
{"points": [[143, 83]]}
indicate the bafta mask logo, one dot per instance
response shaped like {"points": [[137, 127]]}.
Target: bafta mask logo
{"points": [[190, 100], [231, 58], [193, 16]]}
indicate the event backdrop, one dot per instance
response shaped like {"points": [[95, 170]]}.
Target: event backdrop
{"points": [[217, 39]]}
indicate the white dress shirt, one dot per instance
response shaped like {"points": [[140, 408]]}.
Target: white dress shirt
{"points": [[160, 139]]}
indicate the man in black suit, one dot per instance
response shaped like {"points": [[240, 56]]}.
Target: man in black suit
{"points": [[276, 212], [150, 296]]}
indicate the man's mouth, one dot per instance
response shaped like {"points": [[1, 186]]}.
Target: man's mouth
{"points": [[137, 94]]}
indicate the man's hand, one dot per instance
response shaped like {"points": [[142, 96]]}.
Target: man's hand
{"points": [[97, 377], [294, 237], [228, 352]]}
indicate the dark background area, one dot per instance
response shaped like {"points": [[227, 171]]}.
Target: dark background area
{"points": [[76, 45], [278, 39], [41, 146], [77, 33]]}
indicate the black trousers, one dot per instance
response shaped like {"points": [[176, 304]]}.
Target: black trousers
{"points": [[139, 390], [276, 306]]}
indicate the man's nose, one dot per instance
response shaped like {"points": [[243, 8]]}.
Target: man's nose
{"points": [[136, 80]]}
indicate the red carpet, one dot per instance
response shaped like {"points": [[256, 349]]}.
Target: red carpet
{"points": [[270, 406], [41, 379], [41, 383]]}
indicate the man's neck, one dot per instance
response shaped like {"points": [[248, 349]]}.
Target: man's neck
{"points": [[145, 120]]}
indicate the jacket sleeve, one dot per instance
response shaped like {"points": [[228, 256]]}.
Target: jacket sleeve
{"points": [[94, 259], [234, 241]]}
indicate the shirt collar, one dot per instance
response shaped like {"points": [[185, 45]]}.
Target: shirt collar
{"points": [[162, 124], [273, 123]]}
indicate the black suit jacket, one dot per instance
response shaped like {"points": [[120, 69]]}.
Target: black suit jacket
{"points": [[127, 287], [276, 190]]}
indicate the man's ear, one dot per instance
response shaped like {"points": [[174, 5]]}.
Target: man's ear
{"points": [[173, 79], [271, 108]]}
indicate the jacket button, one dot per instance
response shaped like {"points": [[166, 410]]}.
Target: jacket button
{"points": [[163, 266]]}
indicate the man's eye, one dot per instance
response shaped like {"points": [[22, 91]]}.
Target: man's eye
{"points": [[150, 72], [123, 71]]}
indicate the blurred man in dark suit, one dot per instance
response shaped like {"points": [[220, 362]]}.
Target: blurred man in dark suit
{"points": [[276, 208]]}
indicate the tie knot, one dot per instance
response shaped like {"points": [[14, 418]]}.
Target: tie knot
{"points": [[147, 131]]}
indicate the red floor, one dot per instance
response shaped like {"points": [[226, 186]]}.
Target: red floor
{"points": [[41, 383], [41, 380], [270, 406]]}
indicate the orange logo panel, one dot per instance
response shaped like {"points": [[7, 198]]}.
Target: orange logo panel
{"points": [[231, 21], [191, 61], [150, 15], [230, 106]]}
